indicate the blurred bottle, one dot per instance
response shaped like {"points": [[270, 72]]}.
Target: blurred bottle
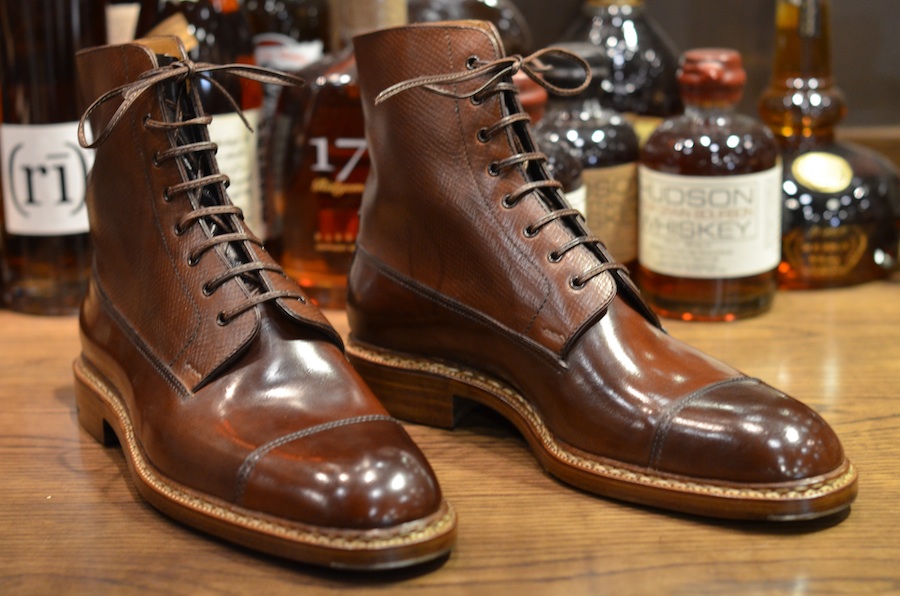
{"points": [[121, 20], [288, 35], [605, 145], [325, 163], [505, 16], [43, 220], [839, 227], [223, 36], [637, 65], [710, 200]]}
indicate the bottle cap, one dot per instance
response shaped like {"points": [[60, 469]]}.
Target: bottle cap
{"points": [[712, 74]]}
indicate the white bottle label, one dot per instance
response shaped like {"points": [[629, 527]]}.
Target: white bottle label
{"points": [[612, 208], [710, 227], [121, 22], [237, 159], [44, 179], [283, 52]]}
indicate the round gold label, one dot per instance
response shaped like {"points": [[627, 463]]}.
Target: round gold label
{"points": [[822, 172]]}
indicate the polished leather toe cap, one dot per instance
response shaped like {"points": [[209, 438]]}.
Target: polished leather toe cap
{"points": [[363, 473], [744, 431]]}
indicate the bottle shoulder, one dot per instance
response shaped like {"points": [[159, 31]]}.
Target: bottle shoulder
{"points": [[714, 146]]}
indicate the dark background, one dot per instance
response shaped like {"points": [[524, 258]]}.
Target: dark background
{"points": [[865, 44]]}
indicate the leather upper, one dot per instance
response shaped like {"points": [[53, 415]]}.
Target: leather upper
{"points": [[445, 271], [261, 411]]}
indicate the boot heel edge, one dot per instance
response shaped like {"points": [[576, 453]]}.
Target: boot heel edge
{"points": [[92, 415], [410, 395]]}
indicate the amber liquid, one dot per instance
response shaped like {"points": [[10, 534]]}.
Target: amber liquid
{"points": [[834, 234], [326, 165], [722, 299], [44, 274]]}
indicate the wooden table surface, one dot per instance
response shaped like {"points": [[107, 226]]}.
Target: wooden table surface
{"points": [[71, 522]]}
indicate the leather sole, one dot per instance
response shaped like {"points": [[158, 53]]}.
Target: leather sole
{"points": [[438, 393], [103, 414]]}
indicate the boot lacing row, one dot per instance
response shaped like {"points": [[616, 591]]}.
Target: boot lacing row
{"points": [[220, 227], [498, 74]]}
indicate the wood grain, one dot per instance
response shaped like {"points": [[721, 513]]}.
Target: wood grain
{"points": [[71, 522]]}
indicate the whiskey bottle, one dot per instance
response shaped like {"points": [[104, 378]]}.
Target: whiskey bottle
{"points": [[223, 36], [606, 146], [838, 224], [638, 65], [710, 200], [325, 163], [43, 170], [515, 33], [288, 35]]}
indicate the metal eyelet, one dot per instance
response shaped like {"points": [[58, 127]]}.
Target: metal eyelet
{"points": [[178, 230], [530, 232], [145, 120], [156, 161], [206, 290], [221, 321], [476, 101], [493, 169], [507, 202], [471, 61], [482, 136], [192, 260], [576, 284], [554, 257], [166, 196]]}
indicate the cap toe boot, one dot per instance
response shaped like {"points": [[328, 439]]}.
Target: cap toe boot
{"points": [[475, 282], [227, 389]]}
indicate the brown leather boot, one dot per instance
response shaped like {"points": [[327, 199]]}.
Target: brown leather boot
{"points": [[228, 391], [473, 280]]}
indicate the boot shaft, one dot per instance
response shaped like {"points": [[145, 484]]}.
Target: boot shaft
{"points": [[168, 242], [458, 181]]}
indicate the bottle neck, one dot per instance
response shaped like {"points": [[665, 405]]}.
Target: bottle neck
{"points": [[355, 17], [802, 102], [802, 44]]}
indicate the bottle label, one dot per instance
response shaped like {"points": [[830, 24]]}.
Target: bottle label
{"points": [[577, 198], [237, 158], [283, 52], [121, 22], [44, 175], [612, 208], [339, 174], [824, 253], [710, 227], [822, 172]]}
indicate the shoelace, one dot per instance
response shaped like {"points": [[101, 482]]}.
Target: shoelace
{"points": [[499, 74], [221, 231]]}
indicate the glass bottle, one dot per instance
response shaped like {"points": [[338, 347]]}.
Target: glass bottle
{"points": [[710, 200], [514, 30], [325, 162], [638, 64], [43, 221], [223, 36], [839, 227], [606, 146], [288, 35]]}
